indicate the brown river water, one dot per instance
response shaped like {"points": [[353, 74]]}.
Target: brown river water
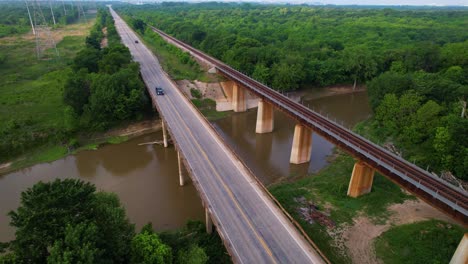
{"points": [[146, 177]]}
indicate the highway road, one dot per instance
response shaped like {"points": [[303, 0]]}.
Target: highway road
{"points": [[252, 227]]}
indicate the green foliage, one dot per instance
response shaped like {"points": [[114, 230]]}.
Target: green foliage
{"points": [[320, 45], [208, 108], [78, 246], [194, 255], [32, 113], [105, 87], [192, 241], [148, 248], [422, 242], [195, 93], [178, 64], [75, 222]]}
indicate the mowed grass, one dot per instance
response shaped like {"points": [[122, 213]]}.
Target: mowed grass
{"points": [[31, 89], [422, 242], [328, 189], [171, 63], [207, 107]]}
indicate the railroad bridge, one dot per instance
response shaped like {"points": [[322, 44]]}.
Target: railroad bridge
{"points": [[370, 157], [249, 221]]}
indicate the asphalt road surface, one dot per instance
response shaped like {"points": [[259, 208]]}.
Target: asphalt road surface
{"points": [[252, 227]]}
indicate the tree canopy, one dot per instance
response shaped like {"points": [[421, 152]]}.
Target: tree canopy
{"points": [[67, 221]]}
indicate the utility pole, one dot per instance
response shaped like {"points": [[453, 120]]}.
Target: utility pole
{"points": [[30, 19], [41, 30], [52, 11], [64, 9]]}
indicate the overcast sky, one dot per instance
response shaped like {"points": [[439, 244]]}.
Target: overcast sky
{"points": [[346, 2], [398, 2]]}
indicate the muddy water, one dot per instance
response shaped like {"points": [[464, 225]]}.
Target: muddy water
{"points": [[146, 177], [267, 155]]}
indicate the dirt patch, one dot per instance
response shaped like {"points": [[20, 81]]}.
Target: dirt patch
{"points": [[358, 238], [80, 29], [132, 130], [330, 91], [5, 166], [104, 39], [309, 211]]}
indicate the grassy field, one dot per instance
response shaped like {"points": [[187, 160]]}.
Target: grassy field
{"points": [[328, 189], [171, 62], [422, 242], [31, 91]]}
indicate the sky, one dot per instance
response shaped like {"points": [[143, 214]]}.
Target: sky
{"points": [[399, 2], [348, 2]]}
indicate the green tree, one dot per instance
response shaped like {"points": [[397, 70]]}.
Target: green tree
{"points": [[113, 58], [88, 59], [388, 82], [78, 246], [442, 146], [261, 73], [386, 113], [360, 64], [194, 255], [77, 90], [139, 25], [147, 248], [49, 217], [286, 77]]}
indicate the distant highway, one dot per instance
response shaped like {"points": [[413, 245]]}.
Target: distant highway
{"points": [[252, 227]]}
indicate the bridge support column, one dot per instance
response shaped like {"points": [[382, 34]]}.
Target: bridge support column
{"points": [[361, 180], [208, 222], [238, 98], [164, 133], [302, 145], [264, 117], [181, 175], [461, 254]]}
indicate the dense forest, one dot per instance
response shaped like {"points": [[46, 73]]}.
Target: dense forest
{"points": [[105, 86], [415, 62]]}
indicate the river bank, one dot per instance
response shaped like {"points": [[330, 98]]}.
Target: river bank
{"points": [[85, 141]]}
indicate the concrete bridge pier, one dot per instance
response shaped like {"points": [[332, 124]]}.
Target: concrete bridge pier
{"points": [[265, 121], [302, 145], [164, 133], [361, 179], [208, 221], [181, 175], [239, 103], [461, 254]]}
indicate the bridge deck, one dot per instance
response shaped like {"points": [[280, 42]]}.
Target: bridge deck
{"points": [[250, 224], [440, 194]]}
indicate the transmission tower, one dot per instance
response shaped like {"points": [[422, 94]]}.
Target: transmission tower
{"points": [[81, 12], [41, 29], [52, 12]]}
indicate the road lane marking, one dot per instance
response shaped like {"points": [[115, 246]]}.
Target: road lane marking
{"points": [[261, 240]]}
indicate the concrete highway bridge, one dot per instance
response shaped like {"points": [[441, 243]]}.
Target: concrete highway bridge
{"points": [[252, 227]]}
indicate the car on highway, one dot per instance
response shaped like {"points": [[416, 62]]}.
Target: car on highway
{"points": [[159, 91], [136, 41]]}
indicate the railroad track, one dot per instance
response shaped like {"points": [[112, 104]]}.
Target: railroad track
{"points": [[449, 199]]}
